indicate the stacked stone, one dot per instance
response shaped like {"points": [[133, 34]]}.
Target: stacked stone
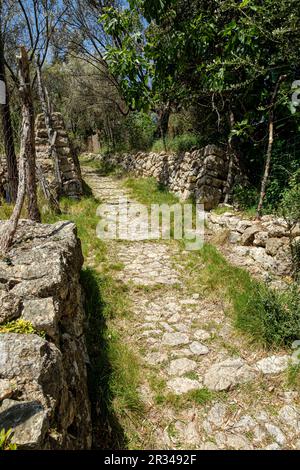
{"points": [[263, 245], [71, 180], [43, 375], [200, 174]]}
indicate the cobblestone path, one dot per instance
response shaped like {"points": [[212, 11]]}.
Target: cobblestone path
{"points": [[203, 388]]}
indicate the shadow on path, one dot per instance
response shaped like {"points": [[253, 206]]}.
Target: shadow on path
{"points": [[107, 431]]}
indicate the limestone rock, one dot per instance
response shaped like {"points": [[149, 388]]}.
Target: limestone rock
{"points": [[273, 364], [6, 389], [249, 234], [274, 244], [198, 349], [181, 366], [174, 339], [225, 375], [276, 433], [28, 421], [260, 239], [181, 385], [41, 314]]}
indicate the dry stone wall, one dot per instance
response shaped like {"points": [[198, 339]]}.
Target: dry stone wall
{"points": [[43, 376], [200, 174], [261, 246], [68, 165]]}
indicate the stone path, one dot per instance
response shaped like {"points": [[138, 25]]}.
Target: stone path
{"points": [[202, 386]]}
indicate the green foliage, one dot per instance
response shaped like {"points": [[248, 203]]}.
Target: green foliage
{"points": [[245, 197], [6, 440], [271, 317], [20, 326], [290, 203], [180, 143]]}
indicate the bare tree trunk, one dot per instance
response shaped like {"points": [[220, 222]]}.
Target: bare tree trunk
{"points": [[28, 110], [267, 168], [10, 228], [46, 107], [8, 135], [53, 203], [163, 123], [232, 157]]}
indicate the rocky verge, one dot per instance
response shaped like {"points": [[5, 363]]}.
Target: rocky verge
{"points": [[43, 375], [200, 174], [263, 247]]}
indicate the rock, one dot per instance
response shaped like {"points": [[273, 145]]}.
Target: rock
{"points": [[238, 442], [234, 237], [28, 420], [202, 335], [181, 366], [274, 244], [174, 339], [41, 314], [273, 446], [156, 358], [276, 433], [243, 225], [10, 305], [6, 389], [290, 417], [198, 349], [232, 441], [217, 414], [260, 257], [181, 385], [275, 229], [225, 375], [260, 239], [188, 433], [273, 364], [249, 234], [245, 424], [209, 446]]}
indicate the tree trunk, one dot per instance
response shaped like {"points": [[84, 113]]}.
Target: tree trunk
{"points": [[232, 158], [46, 107], [267, 168], [28, 111], [163, 123], [10, 228], [7, 129]]}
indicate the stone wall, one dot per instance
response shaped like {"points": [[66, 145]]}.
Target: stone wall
{"points": [[200, 174], [43, 377], [263, 247], [68, 163]]}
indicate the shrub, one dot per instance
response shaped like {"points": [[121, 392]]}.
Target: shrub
{"points": [[290, 210], [272, 317], [180, 143], [245, 197]]}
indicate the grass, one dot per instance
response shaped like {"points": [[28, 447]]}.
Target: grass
{"points": [[6, 440], [293, 377], [148, 191], [268, 317], [20, 326], [181, 143]]}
